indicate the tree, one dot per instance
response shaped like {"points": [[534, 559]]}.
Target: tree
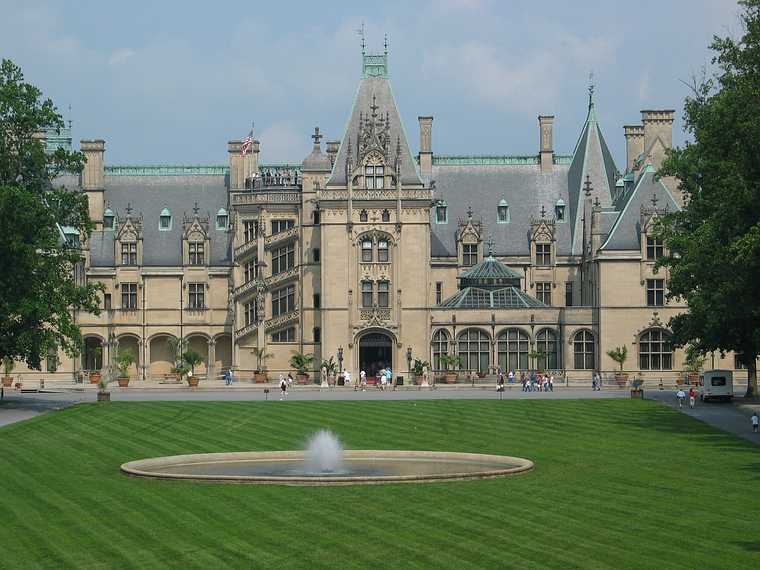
{"points": [[713, 244], [619, 355], [301, 361], [38, 292], [261, 356]]}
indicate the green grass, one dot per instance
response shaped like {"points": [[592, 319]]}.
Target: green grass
{"points": [[623, 484]]}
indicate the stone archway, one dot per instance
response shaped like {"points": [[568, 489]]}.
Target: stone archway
{"points": [[94, 351], [222, 354], [199, 344], [375, 352], [131, 344], [161, 357]]}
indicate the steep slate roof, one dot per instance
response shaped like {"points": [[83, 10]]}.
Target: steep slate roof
{"points": [[148, 195], [591, 158], [626, 232], [482, 187], [380, 87]]}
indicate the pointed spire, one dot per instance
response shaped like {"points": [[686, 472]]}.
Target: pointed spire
{"points": [[591, 104]]}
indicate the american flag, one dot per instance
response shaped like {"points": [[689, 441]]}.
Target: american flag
{"points": [[245, 148]]}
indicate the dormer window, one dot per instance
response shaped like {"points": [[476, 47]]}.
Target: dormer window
{"points": [[374, 177], [559, 210], [222, 219], [441, 213], [165, 220], [502, 212], [109, 219]]}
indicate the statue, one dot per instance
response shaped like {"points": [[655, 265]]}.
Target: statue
{"points": [[323, 378], [425, 376]]}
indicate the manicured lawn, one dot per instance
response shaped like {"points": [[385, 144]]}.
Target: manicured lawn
{"points": [[618, 483]]}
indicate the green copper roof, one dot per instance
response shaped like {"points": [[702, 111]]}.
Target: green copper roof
{"points": [[187, 170], [489, 269], [457, 160], [504, 298]]}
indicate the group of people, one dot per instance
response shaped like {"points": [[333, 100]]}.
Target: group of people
{"points": [[532, 382], [383, 379], [681, 397]]}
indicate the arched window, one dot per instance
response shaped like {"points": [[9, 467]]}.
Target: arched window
{"points": [[221, 219], [559, 210], [583, 351], [440, 347], [546, 345], [386, 216], [109, 219], [474, 348], [502, 212], [165, 220], [513, 350], [655, 351]]}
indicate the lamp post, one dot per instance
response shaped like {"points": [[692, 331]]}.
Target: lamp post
{"points": [[340, 360], [409, 361]]}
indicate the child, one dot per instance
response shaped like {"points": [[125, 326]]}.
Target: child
{"points": [[283, 387], [681, 395], [755, 422]]}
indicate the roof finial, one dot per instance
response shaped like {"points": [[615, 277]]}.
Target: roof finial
{"points": [[317, 137], [490, 245], [587, 188], [654, 200], [591, 89], [360, 31], [196, 209], [543, 211], [385, 44], [469, 212], [129, 209]]}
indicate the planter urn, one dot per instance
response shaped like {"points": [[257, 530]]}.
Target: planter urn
{"points": [[123, 381], [451, 377], [193, 381], [95, 377], [621, 378], [104, 396], [260, 377], [7, 381]]}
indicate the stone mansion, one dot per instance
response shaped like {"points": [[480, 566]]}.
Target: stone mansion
{"points": [[374, 255]]}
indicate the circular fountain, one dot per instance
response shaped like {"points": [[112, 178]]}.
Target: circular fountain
{"points": [[325, 462]]}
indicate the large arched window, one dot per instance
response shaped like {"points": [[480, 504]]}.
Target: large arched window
{"points": [[546, 346], [474, 348], [513, 350], [583, 351], [440, 347], [655, 352]]}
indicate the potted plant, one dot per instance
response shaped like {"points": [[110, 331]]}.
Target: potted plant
{"points": [[693, 364], [620, 355], [190, 359], [124, 359], [8, 366], [533, 356], [259, 375], [178, 346], [95, 375], [418, 369], [330, 366], [637, 388], [103, 394], [450, 361], [301, 362]]}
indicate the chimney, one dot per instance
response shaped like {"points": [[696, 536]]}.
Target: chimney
{"points": [[546, 131], [426, 146], [634, 144], [657, 123], [93, 178], [242, 167], [332, 150]]}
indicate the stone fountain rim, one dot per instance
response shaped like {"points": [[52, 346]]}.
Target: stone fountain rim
{"points": [[142, 467]]}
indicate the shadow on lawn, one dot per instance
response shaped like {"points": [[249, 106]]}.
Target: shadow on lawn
{"points": [[751, 545]]}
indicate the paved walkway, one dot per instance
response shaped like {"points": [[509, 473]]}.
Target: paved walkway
{"points": [[20, 406], [730, 417]]}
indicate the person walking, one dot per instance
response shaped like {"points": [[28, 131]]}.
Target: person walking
{"points": [[283, 387], [551, 383], [681, 396], [363, 380], [692, 397], [511, 377], [593, 381], [755, 419]]}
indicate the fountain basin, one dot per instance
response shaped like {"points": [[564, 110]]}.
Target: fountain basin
{"points": [[359, 467]]}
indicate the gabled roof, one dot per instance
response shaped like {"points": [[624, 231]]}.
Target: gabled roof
{"points": [[592, 159], [379, 87], [625, 234], [477, 298]]}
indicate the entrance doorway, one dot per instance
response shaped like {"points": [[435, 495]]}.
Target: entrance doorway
{"points": [[375, 353]]}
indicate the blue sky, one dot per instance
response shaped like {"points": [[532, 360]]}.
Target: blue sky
{"points": [[172, 82]]}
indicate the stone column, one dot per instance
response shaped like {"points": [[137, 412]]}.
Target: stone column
{"points": [[210, 364], [145, 364]]}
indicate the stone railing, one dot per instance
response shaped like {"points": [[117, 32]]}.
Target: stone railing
{"points": [[375, 313], [280, 277], [418, 194], [280, 320], [244, 288], [281, 236], [241, 250], [246, 330], [244, 198]]}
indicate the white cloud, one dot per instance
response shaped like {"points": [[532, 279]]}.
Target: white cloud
{"points": [[120, 56]]}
